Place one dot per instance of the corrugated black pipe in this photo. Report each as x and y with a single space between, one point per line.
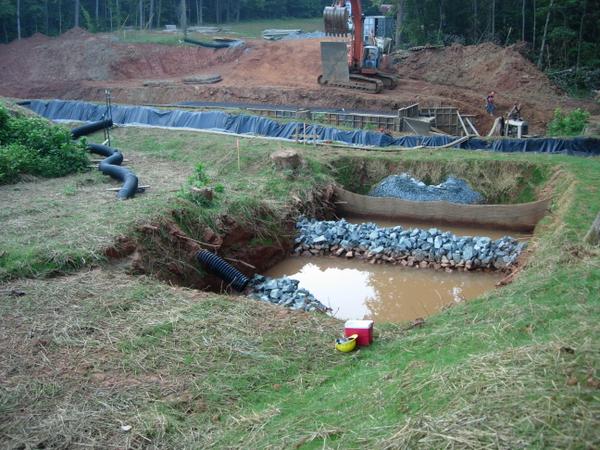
90 128
111 166
223 269
208 44
102 150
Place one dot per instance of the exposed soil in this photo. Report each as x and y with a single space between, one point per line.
80 65
482 68
165 250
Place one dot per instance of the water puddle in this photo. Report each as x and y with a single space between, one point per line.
385 293
458 230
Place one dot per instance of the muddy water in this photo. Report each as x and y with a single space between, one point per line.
355 289
458 230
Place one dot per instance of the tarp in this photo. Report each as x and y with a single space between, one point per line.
263 126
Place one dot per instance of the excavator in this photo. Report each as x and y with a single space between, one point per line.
361 66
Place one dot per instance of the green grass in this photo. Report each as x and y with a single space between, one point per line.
248 30
254 28
71 221
94 350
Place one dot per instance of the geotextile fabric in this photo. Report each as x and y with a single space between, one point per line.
263 126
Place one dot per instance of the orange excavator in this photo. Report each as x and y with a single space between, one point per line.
360 67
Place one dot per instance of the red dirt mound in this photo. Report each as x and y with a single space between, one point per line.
78 55
483 68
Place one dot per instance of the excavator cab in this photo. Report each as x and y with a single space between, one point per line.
371 57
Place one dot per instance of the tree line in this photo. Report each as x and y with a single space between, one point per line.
560 34
22 18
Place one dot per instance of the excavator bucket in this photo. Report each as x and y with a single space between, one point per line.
334 62
336 21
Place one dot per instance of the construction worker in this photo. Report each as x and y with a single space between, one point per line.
490 106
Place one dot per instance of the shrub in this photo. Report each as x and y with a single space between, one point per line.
571 124
4 119
35 147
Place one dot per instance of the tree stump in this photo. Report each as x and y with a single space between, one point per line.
205 192
286 159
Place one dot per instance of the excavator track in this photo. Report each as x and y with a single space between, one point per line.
357 82
389 81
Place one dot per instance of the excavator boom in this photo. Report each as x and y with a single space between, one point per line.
336 24
355 74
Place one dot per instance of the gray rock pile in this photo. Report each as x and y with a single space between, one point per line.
409 247
403 186
285 292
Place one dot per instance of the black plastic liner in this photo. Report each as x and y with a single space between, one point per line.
223 270
262 126
91 128
112 166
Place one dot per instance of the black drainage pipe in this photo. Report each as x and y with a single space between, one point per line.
223 270
210 44
90 128
111 166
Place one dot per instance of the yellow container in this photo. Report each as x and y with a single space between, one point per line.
346 344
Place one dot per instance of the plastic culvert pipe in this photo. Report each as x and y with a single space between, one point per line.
222 269
90 128
111 166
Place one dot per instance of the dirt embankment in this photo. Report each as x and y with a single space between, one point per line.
80 65
163 249
481 68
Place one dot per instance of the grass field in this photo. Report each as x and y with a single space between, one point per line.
246 30
96 350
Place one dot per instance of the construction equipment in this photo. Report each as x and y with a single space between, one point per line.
360 67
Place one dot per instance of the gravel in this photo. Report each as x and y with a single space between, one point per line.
308 35
284 292
403 186
409 247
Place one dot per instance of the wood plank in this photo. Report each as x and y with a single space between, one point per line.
472 126
463 124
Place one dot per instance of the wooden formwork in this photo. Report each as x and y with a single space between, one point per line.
353 120
446 118
275 113
409 111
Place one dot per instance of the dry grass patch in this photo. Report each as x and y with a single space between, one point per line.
97 350
53 224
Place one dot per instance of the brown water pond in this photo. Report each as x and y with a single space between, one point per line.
355 289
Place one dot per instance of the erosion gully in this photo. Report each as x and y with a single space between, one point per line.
356 289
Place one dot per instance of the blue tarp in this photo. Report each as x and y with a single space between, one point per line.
262 126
